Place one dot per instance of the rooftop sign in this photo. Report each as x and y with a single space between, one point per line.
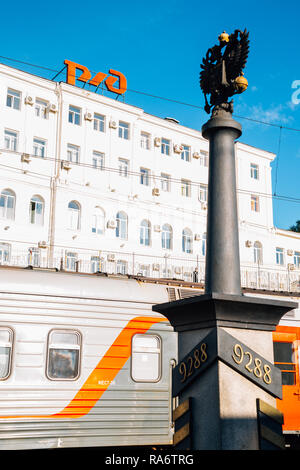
86 77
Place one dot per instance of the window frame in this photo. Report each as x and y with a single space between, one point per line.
186 187
123 166
145 140
144 176
64 330
11 343
124 130
165 146
37 145
160 358
72 150
14 139
186 153
99 122
14 98
41 108
8 193
36 199
279 254
74 115
254 171
255 206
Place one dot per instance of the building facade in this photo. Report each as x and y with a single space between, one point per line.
91 184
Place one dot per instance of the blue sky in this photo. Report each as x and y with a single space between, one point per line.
159 46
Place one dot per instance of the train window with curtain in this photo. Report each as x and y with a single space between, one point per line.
6 344
284 360
63 360
146 358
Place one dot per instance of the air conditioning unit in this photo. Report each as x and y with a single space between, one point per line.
155 192
157 141
25 157
157 228
42 244
196 155
65 165
178 148
291 267
204 206
177 270
29 100
113 125
88 116
248 243
155 267
52 108
197 236
290 252
111 224
111 257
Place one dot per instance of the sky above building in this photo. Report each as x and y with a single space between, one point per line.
159 46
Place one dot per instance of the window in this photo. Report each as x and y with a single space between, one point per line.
4 253
123 167
98 221
203 158
186 153
33 256
297 259
74 215
145 140
7 204
123 130
40 108
165 182
255 203
71 261
279 256
167 237
187 241
98 160
99 122
144 176
13 99
284 359
6 345
121 267
36 210
145 233
185 188
144 270
146 358
203 245
63 355
74 115
122 222
73 152
202 193
39 147
254 171
11 140
165 146
257 252
95 264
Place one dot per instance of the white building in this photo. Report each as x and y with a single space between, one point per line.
89 183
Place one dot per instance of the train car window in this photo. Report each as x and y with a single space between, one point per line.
63 355
6 344
283 359
146 358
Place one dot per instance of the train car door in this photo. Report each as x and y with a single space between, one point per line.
286 354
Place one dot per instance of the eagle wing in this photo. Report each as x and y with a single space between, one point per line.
236 54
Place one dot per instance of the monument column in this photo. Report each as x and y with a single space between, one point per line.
225 362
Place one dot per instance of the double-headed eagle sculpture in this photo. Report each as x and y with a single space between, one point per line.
221 75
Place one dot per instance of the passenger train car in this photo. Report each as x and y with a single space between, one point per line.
85 362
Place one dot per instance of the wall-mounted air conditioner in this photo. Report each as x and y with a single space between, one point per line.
178 148
113 124
111 257
42 244
248 243
52 108
196 155
111 224
25 157
157 228
291 267
65 165
197 236
155 267
290 252
177 270
155 192
29 100
157 141
88 116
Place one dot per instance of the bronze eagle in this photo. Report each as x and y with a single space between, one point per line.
221 74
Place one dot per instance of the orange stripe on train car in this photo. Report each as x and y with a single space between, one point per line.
104 372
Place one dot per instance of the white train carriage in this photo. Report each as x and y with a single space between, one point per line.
83 361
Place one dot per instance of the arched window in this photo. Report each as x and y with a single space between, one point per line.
145 233
98 221
74 215
7 204
36 210
203 246
167 237
187 241
257 252
122 225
